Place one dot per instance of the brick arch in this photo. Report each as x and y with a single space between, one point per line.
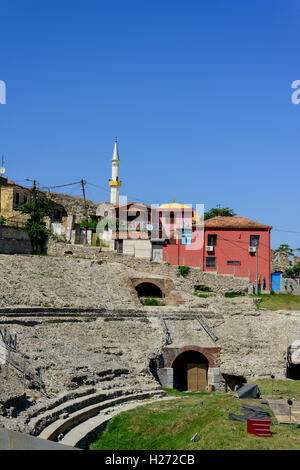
165 285
170 354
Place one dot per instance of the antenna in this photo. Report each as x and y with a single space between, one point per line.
2 169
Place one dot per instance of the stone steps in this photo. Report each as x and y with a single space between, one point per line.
81 414
70 402
85 433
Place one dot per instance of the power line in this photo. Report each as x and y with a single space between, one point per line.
288 231
134 198
60 186
108 190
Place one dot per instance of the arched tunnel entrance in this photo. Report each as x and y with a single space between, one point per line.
190 371
148 289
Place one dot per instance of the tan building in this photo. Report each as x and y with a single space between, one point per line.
12 196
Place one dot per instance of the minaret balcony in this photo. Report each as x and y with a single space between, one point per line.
115 183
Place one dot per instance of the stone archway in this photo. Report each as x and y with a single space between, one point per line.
173 364
170 354
190 371
148 289
156 287
164 285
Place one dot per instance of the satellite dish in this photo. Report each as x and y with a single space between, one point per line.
149 227
2 170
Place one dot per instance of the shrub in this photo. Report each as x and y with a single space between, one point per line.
203 288
183 270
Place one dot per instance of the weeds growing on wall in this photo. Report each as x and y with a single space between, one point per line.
183 270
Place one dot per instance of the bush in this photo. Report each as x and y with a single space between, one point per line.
272 292
183 270
2 221
202 288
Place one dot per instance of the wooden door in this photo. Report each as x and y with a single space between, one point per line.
196 377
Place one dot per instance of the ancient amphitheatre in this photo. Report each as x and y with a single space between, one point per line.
78 318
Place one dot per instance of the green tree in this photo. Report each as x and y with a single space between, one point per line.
293 272
92 224
219 211
38 208
2 220
285 248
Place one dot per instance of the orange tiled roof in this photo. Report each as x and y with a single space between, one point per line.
234 222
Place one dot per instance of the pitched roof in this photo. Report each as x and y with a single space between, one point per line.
138 204
234 222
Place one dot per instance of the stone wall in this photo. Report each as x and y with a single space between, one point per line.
14 241
281 261
75 206
296 260
221 283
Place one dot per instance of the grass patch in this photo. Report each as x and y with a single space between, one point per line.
234 294
169 425
281 388
278 301
152 301
203 296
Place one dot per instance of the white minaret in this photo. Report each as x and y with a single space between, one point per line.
114 183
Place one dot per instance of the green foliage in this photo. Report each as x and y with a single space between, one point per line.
152 301
92 224
170 424
203 296
38 208
183 270
279 301
2 221
293 272
285 248
233 294
219 211
203 288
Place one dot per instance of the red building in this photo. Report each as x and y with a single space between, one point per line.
174 233
230 246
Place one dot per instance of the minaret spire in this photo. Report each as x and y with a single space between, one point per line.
114 183
116 151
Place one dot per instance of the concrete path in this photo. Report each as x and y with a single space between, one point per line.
281 411
83 434
12 440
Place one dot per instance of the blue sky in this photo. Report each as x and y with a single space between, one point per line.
198 93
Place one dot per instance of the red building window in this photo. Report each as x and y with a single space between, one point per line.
211 262
254 240
212 240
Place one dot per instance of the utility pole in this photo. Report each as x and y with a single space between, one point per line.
85 210
34 191
256 254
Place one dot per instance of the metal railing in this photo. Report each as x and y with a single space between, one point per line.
20 362
206 327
